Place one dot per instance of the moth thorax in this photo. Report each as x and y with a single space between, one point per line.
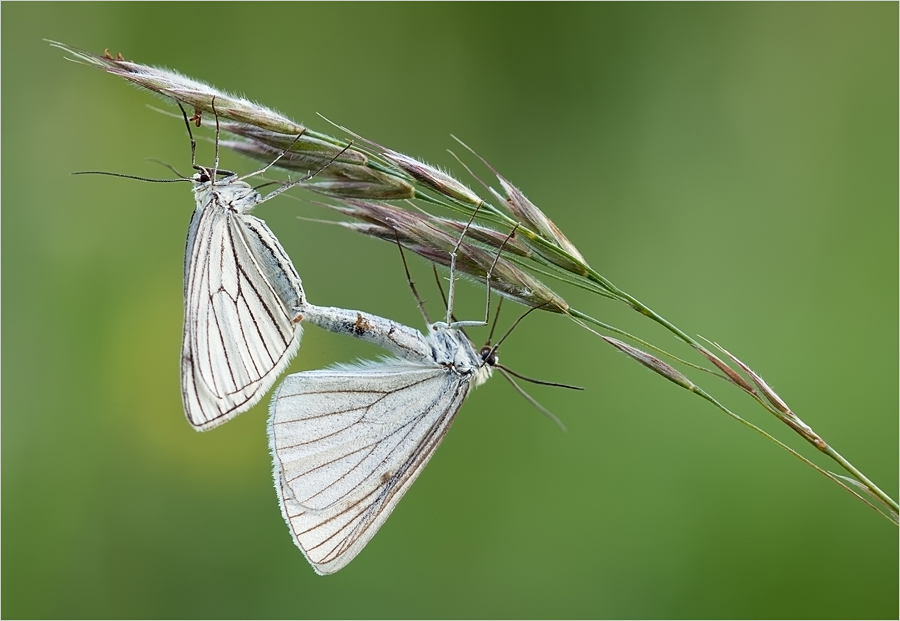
481 375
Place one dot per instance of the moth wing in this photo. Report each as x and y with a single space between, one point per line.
348 442
239 296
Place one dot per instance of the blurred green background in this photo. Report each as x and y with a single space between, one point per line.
732 165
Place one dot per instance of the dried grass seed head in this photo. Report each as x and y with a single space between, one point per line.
528 214
334 178
651 362
189 91
434 178
306 144
492 238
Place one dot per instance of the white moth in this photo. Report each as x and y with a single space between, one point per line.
240 291
347 442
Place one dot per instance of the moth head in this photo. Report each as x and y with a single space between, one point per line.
489 356
205 175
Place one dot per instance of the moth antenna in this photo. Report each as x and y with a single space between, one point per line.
535 381
112 174
532 400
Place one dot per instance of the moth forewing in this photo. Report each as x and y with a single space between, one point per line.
348 442
240 294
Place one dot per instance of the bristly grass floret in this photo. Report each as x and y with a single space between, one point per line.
370 183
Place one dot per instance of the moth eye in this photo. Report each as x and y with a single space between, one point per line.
488 355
